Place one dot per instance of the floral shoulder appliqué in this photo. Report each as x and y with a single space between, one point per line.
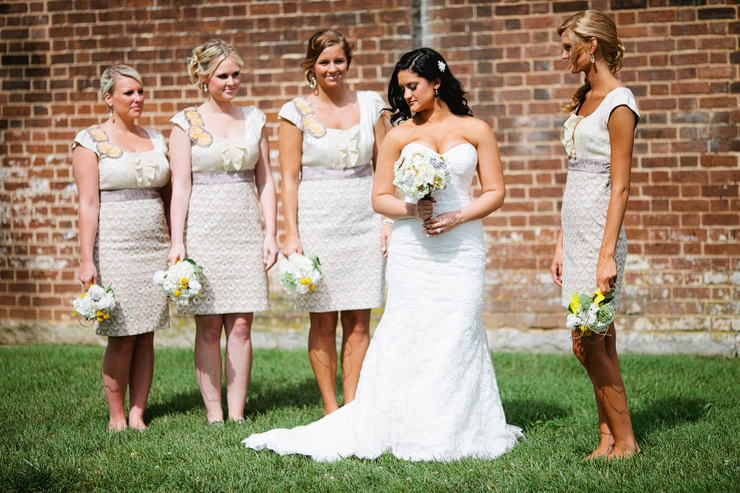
308 118
103 144
196 131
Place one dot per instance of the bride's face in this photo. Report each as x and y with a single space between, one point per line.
417 91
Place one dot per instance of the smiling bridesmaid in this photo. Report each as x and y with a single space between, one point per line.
220 166
328 145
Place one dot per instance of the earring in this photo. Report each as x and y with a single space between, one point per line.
205 87
436 93
110 111
312 82
592 59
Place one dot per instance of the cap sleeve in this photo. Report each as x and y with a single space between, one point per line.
84 139
254 119
180 120
621 97
290 113
375 104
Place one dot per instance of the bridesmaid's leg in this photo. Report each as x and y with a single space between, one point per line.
322 352
238 361
140 379
208 363
116 365
355 340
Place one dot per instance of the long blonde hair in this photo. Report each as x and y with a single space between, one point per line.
586 25
206 58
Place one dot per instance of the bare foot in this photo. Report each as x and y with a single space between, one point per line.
620 453
137 424
116 426
606 444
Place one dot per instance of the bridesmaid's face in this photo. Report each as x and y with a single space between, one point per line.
417 91
331 67
578 57
127 99
223 85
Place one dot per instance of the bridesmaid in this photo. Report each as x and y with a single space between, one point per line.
220 165
119 168
592 246
328 145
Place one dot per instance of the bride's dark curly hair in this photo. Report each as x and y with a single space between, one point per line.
425 62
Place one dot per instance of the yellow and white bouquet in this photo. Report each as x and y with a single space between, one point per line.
95 304
421 174
590 313
181 282
300 274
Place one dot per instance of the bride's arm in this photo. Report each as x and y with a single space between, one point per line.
384 197
491 176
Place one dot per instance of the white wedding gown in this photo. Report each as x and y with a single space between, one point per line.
427 388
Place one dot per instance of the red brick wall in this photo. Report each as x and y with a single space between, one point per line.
682 58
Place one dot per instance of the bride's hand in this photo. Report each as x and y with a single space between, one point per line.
425 208
441 224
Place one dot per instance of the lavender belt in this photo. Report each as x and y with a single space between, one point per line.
309 173
219 177
597 166
127 194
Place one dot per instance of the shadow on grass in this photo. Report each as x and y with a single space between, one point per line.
667 413
526 413
261 399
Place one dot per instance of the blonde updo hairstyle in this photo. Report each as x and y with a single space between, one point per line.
206 58
319 41
587 25
112 74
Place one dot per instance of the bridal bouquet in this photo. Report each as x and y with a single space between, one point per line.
300 274
590 313
95 304
421 174
181 282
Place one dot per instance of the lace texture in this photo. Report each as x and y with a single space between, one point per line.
427 389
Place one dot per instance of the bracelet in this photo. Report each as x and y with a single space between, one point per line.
387 221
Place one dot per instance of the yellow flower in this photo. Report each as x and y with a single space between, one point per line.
74 314
115 152
574 304
311 287
100 319
599 297
98 313
195 132
184 280
305 281
176 293
83 294
106 316
204 140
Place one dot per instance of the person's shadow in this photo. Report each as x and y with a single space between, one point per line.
667 413
527 413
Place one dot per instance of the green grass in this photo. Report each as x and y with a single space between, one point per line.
53 431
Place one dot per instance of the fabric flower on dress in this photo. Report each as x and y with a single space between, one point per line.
144 171
569 134
310 123
344 151
233 156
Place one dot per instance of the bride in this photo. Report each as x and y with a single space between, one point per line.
427 388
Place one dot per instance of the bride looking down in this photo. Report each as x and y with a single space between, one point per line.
427 388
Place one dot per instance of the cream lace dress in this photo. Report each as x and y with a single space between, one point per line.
132 239
587 195
335 218
223 231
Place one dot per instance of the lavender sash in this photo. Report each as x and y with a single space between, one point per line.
219 177
309 173
127 194
596 166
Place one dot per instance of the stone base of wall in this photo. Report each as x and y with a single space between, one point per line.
182 335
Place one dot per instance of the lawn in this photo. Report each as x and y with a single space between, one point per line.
53 431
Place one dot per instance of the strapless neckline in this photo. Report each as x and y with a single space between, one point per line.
443 153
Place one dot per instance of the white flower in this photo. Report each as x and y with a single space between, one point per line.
180 282
159 277
96 304
420 174
300 274
441 66
572 321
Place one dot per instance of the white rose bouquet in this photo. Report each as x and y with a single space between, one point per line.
95 304
300 274
590 313
181 282
421 174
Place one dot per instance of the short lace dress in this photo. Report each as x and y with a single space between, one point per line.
587 195
132 239
335 217
223 231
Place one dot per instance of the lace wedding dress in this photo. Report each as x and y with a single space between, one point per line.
427 389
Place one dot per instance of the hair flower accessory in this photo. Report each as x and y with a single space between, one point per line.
441 66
